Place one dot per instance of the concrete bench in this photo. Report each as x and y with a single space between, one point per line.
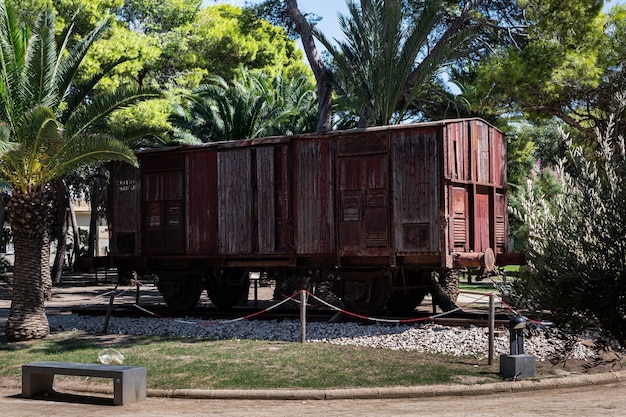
129 382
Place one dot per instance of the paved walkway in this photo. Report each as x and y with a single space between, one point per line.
587 400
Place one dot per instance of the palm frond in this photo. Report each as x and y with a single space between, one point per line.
68 68
94 111
134 133
76 93
38 129
382 49
6 144
90 149
38 80
13 41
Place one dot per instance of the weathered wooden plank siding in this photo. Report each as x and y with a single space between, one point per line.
266 214
235 199
201 207
125 201
416 180
164 196
313 190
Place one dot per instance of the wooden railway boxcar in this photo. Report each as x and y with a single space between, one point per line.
372 211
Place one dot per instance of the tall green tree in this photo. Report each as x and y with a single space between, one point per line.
49 126
460 30
385 63
569 66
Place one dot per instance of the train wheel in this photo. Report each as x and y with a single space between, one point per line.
182 294
366 297
229 289
405 303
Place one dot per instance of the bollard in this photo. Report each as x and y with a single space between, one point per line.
492 325
303 301
517 364
516 335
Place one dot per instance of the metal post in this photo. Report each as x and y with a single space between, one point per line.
108 315
303 298
256 292
492 322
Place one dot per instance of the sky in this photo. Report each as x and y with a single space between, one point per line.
328 10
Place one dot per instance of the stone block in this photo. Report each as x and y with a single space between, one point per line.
517 366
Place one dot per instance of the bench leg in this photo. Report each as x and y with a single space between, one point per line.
130 388
35 384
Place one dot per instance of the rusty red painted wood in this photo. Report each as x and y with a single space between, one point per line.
411 195
125 217
313 196
201 202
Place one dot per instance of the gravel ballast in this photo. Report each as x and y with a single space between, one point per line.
428 338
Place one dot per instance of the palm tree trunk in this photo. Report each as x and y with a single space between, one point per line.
30 216
27 317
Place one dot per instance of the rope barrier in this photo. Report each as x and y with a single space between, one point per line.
294 298
6 290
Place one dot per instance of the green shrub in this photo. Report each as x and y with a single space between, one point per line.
577 240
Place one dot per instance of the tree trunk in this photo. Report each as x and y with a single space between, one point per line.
2 216
93 220
443 292
74 223
96 194
322 74
60 232
30 216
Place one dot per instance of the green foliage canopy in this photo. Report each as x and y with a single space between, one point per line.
569 66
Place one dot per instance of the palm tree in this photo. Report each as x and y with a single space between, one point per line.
249 107
386 60
48 127
297 100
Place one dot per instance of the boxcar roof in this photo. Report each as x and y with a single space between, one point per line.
272 140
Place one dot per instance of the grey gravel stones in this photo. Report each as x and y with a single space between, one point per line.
429 338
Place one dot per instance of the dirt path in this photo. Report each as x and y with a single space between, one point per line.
605 400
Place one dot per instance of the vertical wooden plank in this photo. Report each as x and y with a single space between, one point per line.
482 226
234 201
164 186
266 199
314 211
456 143
482 152
201 207
498 158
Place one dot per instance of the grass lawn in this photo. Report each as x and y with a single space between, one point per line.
248 364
